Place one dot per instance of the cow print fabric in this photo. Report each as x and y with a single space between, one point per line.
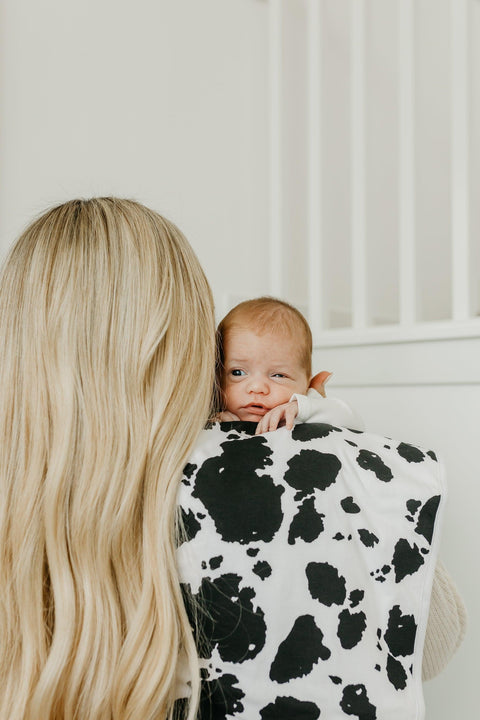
307 561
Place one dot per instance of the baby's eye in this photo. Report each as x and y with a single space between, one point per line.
280 375
237 372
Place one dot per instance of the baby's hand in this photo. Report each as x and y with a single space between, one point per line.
226 416
319 381
281 415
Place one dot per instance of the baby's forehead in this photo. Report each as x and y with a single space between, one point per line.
277 336
279 342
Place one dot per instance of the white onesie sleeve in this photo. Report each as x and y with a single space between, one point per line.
315 408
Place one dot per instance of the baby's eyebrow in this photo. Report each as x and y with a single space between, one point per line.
234 362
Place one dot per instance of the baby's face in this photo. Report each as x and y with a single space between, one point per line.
261 372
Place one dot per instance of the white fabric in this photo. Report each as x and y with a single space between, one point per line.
370 506
315 408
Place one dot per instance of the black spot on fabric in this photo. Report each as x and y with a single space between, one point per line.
371 461
409 518
396 673
431 454
289 708
325 584
350 442
335 679
387 447
413 505
406 559
232 436
201 516
238 426
426 518
339 536
356 597
311 431
424 551
253 551
410 453
262 569
189 469
351 627
311 470
220 698
190 525
355 702
299 652
357 432
377 667
204 564
230 481
307 523
229 621
215 562
368 538
349 506
400 633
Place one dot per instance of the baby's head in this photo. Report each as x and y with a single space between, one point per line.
264 356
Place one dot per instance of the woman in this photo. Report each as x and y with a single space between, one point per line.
107 337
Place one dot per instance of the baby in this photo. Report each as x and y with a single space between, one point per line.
264 369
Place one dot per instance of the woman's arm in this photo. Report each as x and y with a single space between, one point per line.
446 626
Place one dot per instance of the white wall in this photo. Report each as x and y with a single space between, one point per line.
166 101
160 100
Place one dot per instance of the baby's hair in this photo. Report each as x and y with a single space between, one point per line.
265 315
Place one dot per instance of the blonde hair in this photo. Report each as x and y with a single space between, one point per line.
107 342
264 315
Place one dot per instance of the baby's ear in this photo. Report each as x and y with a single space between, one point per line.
319 381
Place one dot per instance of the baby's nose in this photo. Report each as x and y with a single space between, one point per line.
259 385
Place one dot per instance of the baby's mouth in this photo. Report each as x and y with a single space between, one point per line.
256 409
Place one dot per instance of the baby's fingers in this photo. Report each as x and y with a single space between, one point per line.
291 412
270 421
264 423
287 412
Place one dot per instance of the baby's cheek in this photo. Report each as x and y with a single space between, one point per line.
284 395
230 393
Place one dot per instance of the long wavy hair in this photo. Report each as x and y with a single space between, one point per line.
106 371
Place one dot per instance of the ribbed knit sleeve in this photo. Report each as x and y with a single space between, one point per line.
446 626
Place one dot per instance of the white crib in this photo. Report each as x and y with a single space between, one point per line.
434 283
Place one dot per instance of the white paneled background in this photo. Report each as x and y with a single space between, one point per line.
327 151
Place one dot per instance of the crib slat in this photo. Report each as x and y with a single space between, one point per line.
358 138
460 165
406 163
275 161
314 168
